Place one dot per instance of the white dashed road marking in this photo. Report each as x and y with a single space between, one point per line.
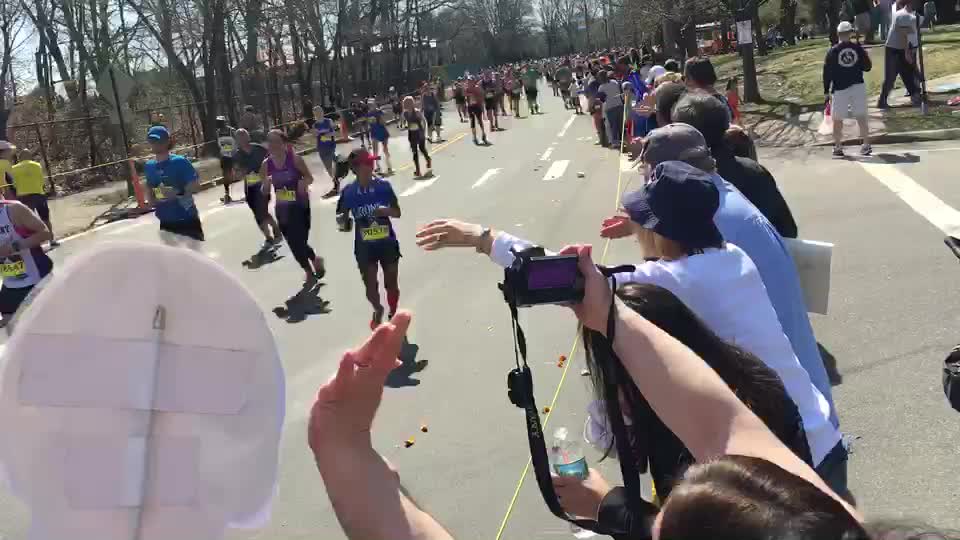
566 126
419 186
546 155
556 170
486 176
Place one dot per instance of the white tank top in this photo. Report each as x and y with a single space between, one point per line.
20 269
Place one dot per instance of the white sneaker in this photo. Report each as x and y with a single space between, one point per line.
866 150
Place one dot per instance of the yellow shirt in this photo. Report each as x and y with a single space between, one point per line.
4 170
28 178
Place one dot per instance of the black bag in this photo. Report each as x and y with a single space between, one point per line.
951 378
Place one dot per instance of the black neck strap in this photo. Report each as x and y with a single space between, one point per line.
520 392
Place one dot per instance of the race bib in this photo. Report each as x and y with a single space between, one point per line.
253 178
13 267
489 94
286 195
158 193
414 126
327 137
377 232
227 148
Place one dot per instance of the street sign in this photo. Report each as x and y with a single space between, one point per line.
124 85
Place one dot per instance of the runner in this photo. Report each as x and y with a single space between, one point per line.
490 100
431 111
397 109
530 78
23 263
326 134
564 78
516 90
460 99
500 93
290 178
227 144
171 182
475 109
415 127
247 160
381 137
372 202
28 182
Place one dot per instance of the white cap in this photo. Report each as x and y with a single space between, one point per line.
655 72
844 27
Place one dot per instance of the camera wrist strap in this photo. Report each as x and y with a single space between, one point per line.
520 392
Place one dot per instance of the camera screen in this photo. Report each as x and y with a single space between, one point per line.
552 273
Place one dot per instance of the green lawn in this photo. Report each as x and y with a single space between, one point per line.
794 74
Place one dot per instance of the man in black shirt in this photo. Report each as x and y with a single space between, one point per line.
711 117
843 75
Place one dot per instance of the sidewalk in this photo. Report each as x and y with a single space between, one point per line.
778 127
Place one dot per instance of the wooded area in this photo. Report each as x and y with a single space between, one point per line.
196 59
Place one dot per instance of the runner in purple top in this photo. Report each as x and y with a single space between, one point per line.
290 178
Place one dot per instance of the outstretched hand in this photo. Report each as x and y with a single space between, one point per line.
444 233
348 402
616 227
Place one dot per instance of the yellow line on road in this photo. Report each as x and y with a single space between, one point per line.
436 149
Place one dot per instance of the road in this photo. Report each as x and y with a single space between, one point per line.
893 306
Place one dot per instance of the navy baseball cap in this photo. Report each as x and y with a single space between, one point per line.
158 133
678 203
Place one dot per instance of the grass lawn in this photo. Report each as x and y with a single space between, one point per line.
794 74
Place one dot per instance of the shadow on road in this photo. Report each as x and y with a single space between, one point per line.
303 304
899 158
830 364
401 376
262 258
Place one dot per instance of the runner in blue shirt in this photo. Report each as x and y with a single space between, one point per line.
372 202
327 149
171 182
380 137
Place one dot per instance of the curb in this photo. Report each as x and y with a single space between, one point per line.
902 137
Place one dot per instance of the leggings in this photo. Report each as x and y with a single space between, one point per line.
296 231
419 142
476 115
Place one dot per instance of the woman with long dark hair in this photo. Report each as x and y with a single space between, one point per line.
655 446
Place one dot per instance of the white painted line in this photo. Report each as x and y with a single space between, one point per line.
566 126
135 225
486 176
213 211
419 186
546 155
934 210
556 170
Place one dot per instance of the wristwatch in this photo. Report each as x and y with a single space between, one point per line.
484 233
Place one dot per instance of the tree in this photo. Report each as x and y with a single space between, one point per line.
13 34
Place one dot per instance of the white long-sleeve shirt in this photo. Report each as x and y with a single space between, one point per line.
724 289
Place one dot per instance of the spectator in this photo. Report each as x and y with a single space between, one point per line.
612 108
882 20
700 75
711 117
251 121
672 217
861 18
740 142
733 99
898 59
656 448
930 13
6 163
653 73
742 224
671 65
843 84
28 180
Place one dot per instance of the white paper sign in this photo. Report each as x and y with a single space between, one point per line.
813 261
744 33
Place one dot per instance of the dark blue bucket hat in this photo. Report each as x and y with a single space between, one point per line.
678 203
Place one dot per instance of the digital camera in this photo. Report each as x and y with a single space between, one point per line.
536 278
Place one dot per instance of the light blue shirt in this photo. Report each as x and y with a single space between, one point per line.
742 224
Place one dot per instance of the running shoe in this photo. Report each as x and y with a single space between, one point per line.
866 150
332 193
838 151
376 318
320 267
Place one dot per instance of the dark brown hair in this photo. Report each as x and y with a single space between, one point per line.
748 498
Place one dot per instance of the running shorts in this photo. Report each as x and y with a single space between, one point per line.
258 201
226 165
189 228
11 298
460 100
430 115
382 253
38 203
476 115
490 103
850 102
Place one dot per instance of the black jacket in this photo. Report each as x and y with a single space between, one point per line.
759 187
844 65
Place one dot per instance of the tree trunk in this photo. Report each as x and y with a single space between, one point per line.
688 39
833 18
788 20
758 36
208 111
671 38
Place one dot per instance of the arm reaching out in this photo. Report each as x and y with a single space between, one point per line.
363 489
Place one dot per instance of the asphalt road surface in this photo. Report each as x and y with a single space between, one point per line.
894 307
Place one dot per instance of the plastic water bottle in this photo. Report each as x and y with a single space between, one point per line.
566 456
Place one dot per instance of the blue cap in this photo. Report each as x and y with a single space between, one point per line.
678 203
158 133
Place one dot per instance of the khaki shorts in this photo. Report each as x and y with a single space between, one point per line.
850 102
